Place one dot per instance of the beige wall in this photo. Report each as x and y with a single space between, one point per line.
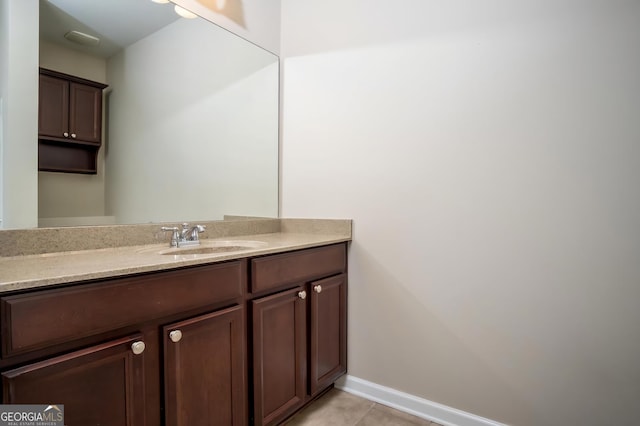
489 155
63 195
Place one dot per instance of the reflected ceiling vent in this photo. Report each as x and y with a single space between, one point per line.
82 38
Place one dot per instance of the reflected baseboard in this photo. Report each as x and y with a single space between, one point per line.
49 222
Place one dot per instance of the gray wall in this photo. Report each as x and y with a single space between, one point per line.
18 114
198 146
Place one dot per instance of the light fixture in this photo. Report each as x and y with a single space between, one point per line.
82 38
184 12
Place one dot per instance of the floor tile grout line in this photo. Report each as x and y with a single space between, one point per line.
373 404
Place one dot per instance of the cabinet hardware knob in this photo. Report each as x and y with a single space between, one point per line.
302 294
138 347
175 336
317 288
66 134
73 135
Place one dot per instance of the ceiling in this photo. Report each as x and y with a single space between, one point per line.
117 23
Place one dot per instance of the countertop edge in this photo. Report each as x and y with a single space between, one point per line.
145 266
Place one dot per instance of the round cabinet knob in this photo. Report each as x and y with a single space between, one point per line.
73 135
317 288
175 336
302 294
66 135
138 347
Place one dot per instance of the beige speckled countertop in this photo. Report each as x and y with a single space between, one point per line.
26 271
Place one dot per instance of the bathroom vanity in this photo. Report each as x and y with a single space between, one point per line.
245 337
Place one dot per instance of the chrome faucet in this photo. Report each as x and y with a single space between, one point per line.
187 236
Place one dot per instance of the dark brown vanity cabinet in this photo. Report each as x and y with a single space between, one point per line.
279 355
99 385
247 341
165 348
299 335
204 370
69 122
328 332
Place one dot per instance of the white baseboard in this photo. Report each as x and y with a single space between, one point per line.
408 403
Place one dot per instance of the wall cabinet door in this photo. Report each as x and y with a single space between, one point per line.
279 355
205 364
85 113
53 107
69 111
328 332
101 385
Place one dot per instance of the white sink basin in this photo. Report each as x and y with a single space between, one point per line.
214 247
206 248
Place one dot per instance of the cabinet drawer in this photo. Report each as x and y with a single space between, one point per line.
278 270
45 318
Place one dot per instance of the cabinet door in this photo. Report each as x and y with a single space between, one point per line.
85 113
205 367
279 355
101 385
53 107
328 328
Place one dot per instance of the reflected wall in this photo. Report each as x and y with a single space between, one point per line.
197 147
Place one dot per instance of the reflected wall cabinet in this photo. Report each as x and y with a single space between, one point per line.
69 123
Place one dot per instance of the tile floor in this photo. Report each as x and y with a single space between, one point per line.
339 408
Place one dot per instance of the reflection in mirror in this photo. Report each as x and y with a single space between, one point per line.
190 126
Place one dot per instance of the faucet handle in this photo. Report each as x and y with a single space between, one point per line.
175 235
195 230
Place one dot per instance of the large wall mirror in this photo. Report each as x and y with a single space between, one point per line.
191 117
